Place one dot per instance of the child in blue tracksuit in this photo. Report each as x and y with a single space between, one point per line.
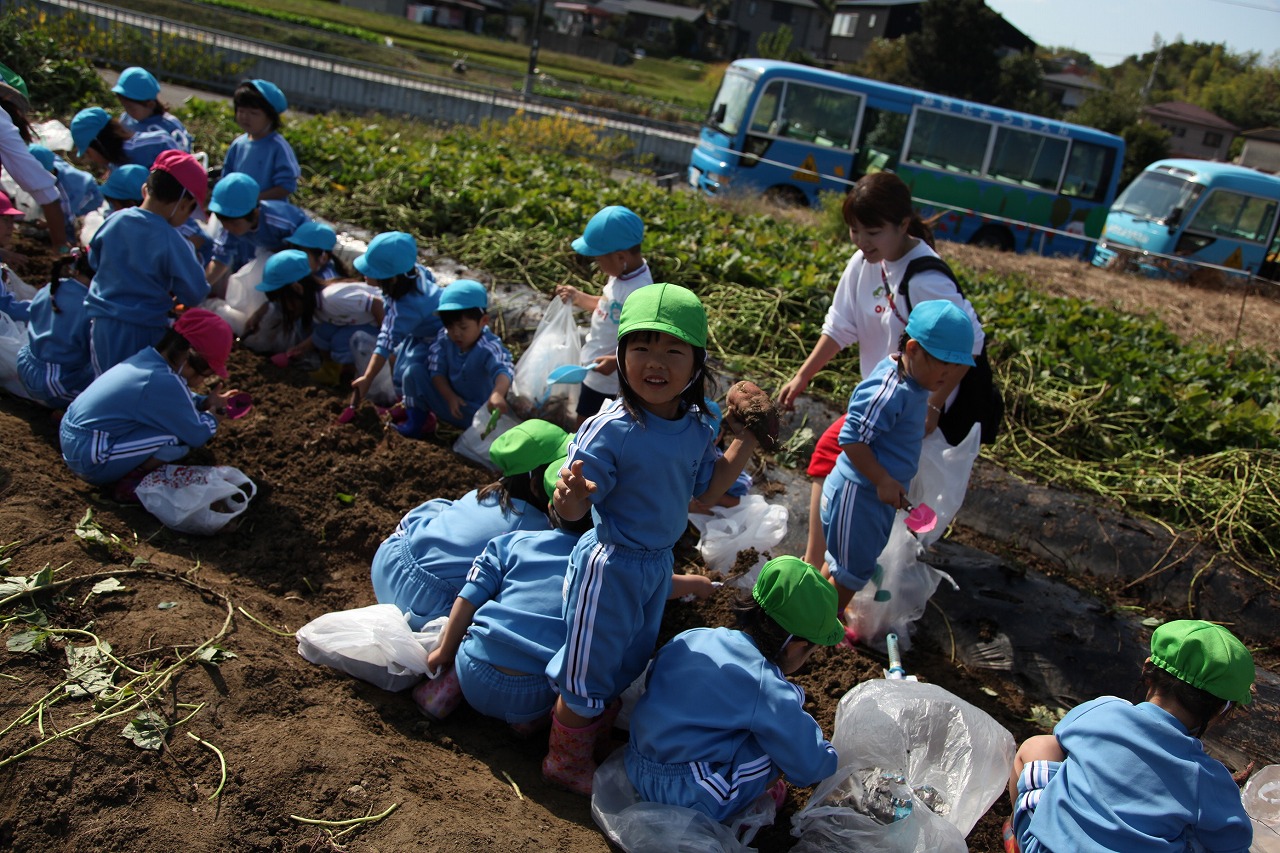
318 241
736 492
79 192
54 366
412 322
467 366
261 152
142 264
1117 776
715 749
635 466
105 142
141 414
139 95
123 187
421 567
248 225
881 442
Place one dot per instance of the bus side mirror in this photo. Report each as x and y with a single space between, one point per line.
717 117
1174 217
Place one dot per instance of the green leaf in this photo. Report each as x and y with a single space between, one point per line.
30 640
166 605
147 730
103 587
1152 622
215 655
89 670
12 586
90 531
345 498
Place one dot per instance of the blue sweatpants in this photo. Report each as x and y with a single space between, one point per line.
856 524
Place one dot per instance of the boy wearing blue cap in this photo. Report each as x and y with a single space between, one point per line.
612 239
467 364
123 187
139 95
1117 776
881 439
261 152
247 226
105 142
78 192
318 241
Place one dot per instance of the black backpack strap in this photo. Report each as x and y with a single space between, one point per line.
926 263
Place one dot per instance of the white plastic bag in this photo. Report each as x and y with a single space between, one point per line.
753 523
243 296
900 588
474 445
13 337
953 761
200 499
1261 799
371 643
382 391
641 827
556 342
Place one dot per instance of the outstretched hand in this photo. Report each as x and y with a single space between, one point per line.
573 492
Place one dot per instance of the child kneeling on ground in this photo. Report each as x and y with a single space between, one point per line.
1116 776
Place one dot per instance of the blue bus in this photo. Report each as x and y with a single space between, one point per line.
987 174
1178 211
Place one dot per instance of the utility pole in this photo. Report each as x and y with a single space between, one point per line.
1155 66
533 48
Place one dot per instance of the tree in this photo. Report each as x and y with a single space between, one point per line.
777 45
1022 86
954 53
1144 143
884 60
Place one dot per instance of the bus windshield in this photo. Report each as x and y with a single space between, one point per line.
729 109
1156 195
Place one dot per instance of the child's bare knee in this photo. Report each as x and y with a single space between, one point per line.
1040 748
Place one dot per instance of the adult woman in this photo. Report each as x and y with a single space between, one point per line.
15 135
868 310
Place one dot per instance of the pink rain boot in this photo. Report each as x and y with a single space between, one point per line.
778 790
437 698
568 763
532 727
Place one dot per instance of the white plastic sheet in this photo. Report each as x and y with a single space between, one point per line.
474 444
371 643
13 337
753 523
382 391
200 499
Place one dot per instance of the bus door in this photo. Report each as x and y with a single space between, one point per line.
800 140
1229 228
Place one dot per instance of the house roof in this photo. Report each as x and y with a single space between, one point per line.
1068 80
651 9
1263 134
1186 113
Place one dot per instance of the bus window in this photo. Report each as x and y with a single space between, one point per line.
950 142
1231 214
1156 196
807 114
732 99
766 118
1028 159
1089 171
882 137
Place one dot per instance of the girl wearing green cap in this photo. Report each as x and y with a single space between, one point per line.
1116 776
635 466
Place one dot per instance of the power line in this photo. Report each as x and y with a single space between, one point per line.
1244 5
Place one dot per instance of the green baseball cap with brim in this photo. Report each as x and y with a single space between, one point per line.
1206 656
14 89
666 308
800 599
526 446
552 476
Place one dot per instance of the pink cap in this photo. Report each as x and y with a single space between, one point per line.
209 335
7 208
186 170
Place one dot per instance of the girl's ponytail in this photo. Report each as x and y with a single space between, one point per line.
78 260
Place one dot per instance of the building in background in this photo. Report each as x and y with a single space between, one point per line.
1195 133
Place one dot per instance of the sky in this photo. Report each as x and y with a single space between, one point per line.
1110 30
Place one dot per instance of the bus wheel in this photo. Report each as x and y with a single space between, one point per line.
784 195
993 237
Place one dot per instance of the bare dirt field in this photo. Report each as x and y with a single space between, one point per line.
302 740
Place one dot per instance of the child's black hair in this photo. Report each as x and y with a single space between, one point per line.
19 119
339 267
298 307
518 487
400 286
174 347
164 187
1201 704
448 318
694 395
248 96
753 620
79 260
157 108
110 142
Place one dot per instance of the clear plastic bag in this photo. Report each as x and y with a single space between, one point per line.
899 591
641 827
556 342
13 337
382 391
474 444
243 297
939 760
1261 799
372 643
200 499
753 523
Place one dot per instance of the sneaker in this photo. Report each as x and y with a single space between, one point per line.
125 490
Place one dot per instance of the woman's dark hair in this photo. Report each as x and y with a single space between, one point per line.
298 307
164 187
753 620
1201 704
882 198
110 142
157 108
402 285
694 395
248 96
19 119
77 260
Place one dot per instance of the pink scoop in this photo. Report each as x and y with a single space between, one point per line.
280 359
239 405
921 519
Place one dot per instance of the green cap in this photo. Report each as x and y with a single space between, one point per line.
552 476
800 599
526 446
14 88
1206 656
666 308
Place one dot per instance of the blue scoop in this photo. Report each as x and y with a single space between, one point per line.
570 374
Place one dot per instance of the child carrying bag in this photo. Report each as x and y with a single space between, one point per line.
199 499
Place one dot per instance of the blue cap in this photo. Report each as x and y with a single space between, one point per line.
390 254
86 126
43 154
235 195
272 93
943 330
283 269
611 230
463 294
137 84
313 235
125 182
